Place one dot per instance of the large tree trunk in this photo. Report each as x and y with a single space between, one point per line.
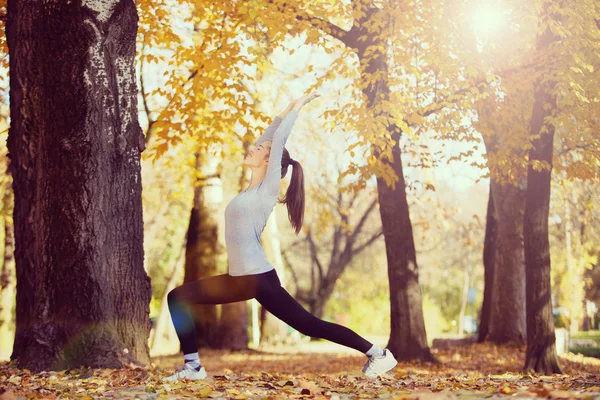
541 349
408 339
489 261
75 144
507 318
202 248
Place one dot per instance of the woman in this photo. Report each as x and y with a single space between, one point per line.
250 274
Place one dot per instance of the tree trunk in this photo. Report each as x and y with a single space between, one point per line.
317 306
233 322
326 288
489 261
541 348
408 339
75 145
233 326
507 318
201 256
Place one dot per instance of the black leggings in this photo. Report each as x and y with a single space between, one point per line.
267 289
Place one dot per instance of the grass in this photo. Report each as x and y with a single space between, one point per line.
594 335
587 351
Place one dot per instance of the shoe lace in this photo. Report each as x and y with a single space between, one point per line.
372 360
180 371
370 363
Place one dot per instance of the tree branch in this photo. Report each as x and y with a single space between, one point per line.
292 270
366 244
567 149
362 221
439 105
318 23
313 251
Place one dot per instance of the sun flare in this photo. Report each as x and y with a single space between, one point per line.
488 20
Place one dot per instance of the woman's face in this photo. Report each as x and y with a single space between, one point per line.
258 156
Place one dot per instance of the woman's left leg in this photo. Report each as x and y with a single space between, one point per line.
281 304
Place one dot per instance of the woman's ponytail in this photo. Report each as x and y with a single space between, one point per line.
294 196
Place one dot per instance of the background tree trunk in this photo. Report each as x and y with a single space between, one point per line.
489 262
541 340
408 339
272 329
232 329
201 255
75 144
233 326
507 317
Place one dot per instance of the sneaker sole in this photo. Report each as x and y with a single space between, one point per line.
385 371
199 378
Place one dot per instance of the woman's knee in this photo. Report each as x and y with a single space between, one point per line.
173 296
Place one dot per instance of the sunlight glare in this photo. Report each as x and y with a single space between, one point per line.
488 20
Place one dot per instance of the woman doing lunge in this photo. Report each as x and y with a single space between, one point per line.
250 274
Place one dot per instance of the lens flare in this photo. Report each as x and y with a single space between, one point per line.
488 20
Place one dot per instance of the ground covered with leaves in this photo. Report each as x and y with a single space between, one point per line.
475 371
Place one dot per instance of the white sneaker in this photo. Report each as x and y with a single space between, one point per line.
186 374
376 366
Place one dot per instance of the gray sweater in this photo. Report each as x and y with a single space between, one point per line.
247 213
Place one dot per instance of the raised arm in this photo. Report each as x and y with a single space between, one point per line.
270 131
273 175
267 136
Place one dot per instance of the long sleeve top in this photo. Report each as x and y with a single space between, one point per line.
247 213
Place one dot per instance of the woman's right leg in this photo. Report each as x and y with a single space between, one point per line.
220 289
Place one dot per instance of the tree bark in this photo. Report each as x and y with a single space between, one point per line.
75 144
489 261
233 326
541 348
507 317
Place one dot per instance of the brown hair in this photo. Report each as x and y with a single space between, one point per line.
294 196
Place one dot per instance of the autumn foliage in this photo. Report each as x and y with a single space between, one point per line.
478 371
